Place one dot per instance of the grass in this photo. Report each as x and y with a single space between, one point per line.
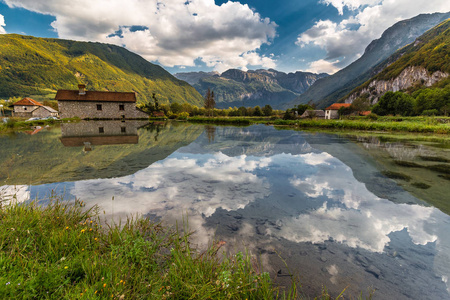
61 251
14 124
435 125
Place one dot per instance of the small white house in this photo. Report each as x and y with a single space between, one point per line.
28 108
331 112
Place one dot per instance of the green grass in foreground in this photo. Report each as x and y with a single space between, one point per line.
61 252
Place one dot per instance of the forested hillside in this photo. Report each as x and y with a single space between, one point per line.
37 66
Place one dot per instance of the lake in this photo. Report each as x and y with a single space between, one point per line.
367 211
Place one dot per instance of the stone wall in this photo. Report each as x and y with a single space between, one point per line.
89 110
41 112
24 111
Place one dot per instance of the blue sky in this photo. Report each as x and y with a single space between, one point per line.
207 35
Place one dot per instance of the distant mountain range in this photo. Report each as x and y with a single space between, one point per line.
239 88
421 64
38 67
332 88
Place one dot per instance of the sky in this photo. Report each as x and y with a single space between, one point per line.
206 35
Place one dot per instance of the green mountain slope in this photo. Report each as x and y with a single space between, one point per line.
430 52
38 66
238 88
328 90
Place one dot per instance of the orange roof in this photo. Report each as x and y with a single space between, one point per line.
27 102
336 106
364 113
69 95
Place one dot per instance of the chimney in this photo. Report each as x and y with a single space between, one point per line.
82 89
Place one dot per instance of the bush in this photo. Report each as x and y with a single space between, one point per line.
183 116
372 116
430 112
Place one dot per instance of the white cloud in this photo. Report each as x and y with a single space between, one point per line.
347 39
173 32
14 193
2 24
323 66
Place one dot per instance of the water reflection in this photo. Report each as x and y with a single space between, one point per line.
89 133
316 198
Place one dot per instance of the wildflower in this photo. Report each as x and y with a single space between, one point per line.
66 267
83 230
121 281
81 294
67 227
95 239
104 285
82 249
8 283
95 292
90 229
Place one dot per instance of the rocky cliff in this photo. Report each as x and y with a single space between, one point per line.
421 64
408 77
328 90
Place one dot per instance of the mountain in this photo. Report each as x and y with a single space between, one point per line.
328 90
239 88
194 77
420 64
40 66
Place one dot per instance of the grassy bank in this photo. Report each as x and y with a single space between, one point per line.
61 252
438 125
17 124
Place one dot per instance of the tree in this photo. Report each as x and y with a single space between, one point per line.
257 111
360 104
209 101
156 102
267 110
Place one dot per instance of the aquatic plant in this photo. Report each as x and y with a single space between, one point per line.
396 175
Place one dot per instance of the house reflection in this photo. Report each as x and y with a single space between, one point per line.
92 133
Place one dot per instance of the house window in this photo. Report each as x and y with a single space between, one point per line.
99 107
101 130
123 129
121 106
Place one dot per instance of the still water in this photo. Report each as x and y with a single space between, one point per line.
363 212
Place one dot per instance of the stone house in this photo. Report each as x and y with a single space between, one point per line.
28 108
98 105
313 114
331 112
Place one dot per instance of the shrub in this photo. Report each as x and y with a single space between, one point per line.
430 112
183 116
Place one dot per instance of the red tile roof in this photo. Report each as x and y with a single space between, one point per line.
364 113
27 102
69 95
336 106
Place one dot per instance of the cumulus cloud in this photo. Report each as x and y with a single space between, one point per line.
172 32
2 24
345 41
351 214
323 66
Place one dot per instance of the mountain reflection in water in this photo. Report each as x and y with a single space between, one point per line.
316 199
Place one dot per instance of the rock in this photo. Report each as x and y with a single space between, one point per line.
374 271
